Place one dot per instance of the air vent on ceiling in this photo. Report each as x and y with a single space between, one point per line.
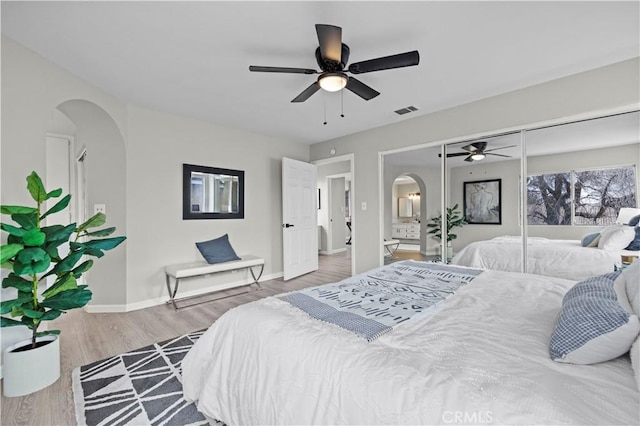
406 110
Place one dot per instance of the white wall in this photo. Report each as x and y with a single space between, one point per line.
601 89
159 144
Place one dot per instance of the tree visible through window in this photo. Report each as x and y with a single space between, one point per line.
597 197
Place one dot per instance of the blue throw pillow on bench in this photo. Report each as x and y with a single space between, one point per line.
218 250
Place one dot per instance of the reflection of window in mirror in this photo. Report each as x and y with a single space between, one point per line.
212 193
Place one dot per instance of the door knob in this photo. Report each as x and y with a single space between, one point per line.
287 225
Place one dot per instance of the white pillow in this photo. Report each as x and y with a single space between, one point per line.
616 237
631 277
635 360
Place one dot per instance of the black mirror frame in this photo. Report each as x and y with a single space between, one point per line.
186 192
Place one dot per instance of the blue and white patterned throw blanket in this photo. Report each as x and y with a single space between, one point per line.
371 304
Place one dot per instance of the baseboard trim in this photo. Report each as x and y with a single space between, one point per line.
107 309
330 252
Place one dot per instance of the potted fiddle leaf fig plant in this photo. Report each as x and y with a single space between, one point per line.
454 219
35 254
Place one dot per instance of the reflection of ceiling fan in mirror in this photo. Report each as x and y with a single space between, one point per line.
478 151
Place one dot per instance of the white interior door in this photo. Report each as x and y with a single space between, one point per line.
299 218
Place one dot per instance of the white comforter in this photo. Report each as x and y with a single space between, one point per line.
482 359
555 258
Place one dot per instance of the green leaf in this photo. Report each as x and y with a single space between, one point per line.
94 252
8 251
104 244
7 305
94 221
36 188
26 220
34 237
59 206
32 260
17 210
58 232
48 332
18 232
82 268
68 299
13 280
101 233
8 322
64 283
28 322
55 193
32 314
51 315
66 264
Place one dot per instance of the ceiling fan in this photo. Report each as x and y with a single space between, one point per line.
332 56
478 151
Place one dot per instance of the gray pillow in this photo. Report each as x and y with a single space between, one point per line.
635 244
218 250
634 220
590 240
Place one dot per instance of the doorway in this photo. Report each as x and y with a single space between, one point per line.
337 221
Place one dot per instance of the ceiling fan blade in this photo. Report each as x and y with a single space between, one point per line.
361 89
400 60
475 146
330 39
256 68
306 93
497 155
502 147
469 158
455 154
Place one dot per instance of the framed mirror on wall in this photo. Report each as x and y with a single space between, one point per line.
212 193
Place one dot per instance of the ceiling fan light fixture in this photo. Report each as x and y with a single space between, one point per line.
332 82
478 156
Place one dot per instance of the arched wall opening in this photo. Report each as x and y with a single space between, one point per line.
418 202
96 132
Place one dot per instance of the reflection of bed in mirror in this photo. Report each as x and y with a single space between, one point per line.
556 258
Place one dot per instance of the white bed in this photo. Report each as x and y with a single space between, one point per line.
482 357
556 258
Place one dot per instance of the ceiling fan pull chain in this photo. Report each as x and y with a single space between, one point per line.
324 102
342 103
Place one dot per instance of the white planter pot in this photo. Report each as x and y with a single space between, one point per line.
30 370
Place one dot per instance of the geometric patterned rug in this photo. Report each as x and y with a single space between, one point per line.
141 387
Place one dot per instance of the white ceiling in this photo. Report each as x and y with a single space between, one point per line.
192 58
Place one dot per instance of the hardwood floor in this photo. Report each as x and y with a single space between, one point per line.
86 338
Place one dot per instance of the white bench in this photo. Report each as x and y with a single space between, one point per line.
391 246
201 268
